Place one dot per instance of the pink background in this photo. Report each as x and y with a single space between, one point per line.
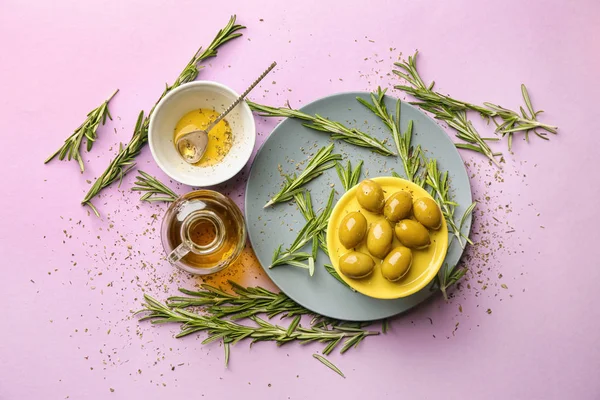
70 280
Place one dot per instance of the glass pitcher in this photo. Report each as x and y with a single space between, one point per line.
203 232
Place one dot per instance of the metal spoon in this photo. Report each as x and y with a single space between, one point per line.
192 145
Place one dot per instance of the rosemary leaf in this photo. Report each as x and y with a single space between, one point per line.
466 215
226 347
71 149
353 341
331 346
348 176
527 103
311 265
329 364
320 162
319 123
293 326
125 159
385 325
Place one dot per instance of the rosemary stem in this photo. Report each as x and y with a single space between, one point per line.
113 95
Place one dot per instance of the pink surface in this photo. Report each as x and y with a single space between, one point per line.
69 280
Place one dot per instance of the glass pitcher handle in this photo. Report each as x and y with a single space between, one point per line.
178 253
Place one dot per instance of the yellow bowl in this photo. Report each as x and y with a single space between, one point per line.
426 263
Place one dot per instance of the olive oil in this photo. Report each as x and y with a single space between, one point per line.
220 138
203 232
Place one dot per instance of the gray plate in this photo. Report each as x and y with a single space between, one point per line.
291 143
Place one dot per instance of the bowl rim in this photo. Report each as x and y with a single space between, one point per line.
199 84
332 230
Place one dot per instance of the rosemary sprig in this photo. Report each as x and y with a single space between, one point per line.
154 189
248 301
348 176
453 111
512 122
329 364
310 232
88 130
125 159
430 101
320 163
438 182
411 157
319 123
449 276
243 303
232 332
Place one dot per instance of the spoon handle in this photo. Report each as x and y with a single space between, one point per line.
239 99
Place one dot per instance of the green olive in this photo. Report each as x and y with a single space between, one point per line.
370 196
356 265
352 229
398 206
379 238
397 263
428 213
412 234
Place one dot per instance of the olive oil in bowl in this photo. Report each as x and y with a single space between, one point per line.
220 138
203 232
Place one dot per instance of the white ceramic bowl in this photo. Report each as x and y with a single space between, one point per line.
192 96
